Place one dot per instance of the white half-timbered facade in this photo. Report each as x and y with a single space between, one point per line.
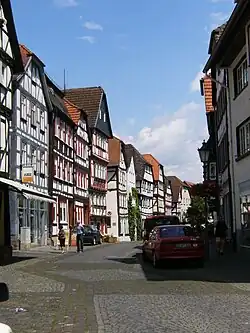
61 155
158 178
117 198
10 66
81 163
144 181
168 196
93 100
29 158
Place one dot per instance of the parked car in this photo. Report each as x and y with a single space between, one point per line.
173 242
91 235
153 221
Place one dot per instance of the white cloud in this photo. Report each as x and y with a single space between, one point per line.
89 39
174 140
65 3
195 84
90 25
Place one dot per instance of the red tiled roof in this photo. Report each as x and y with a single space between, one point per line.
114 146
25 54
155 165
87 99
73 111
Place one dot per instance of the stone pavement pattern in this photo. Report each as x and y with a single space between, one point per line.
108 289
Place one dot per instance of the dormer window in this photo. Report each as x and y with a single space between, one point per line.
100 114
104 117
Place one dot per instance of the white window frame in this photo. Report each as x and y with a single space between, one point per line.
241 76
244 138
23 104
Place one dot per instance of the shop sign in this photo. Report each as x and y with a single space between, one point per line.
27 174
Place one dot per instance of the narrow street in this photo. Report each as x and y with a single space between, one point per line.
108 289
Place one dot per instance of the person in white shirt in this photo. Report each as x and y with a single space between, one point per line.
79 237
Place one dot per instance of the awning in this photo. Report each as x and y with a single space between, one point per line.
26 191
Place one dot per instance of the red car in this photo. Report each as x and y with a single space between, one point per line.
173 242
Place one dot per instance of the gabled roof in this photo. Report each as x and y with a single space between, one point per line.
56 96
115 147
27 53
176 186
155 165
72 110
8 14
189 184
139 161
128 154
88 99
215 36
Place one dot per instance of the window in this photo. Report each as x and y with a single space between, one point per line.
100 114
240 77
4 74
33 114
243 138
104 117
24 153
42 120
223 154
212 171
23 107
42 157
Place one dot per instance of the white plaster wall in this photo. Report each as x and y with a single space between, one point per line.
113 209
239 112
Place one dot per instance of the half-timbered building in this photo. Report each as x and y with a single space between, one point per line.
61 147
117 199
93 101
158 177
10 65
168 196
144 182
82 146
29 158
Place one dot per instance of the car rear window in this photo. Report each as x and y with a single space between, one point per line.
177 231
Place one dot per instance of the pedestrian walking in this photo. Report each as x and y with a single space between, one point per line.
79 237
220 234
61 238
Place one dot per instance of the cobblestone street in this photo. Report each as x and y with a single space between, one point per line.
108 289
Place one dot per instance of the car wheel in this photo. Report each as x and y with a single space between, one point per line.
156 261
94 241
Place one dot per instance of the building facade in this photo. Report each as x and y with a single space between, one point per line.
158 177
117 199
82 149
10 65
93 101
144 182
231 55
61 144
29 158
176 190
168 196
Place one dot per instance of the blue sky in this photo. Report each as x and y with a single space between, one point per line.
147 55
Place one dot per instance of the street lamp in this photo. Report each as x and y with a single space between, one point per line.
204 152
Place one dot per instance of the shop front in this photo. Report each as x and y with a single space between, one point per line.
5 243
27 214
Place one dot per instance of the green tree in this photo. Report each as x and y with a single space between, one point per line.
196 212
134 215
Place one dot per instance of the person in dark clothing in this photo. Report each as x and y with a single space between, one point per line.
220 234
61 237
79 237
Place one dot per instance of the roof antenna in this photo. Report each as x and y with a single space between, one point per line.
64 80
